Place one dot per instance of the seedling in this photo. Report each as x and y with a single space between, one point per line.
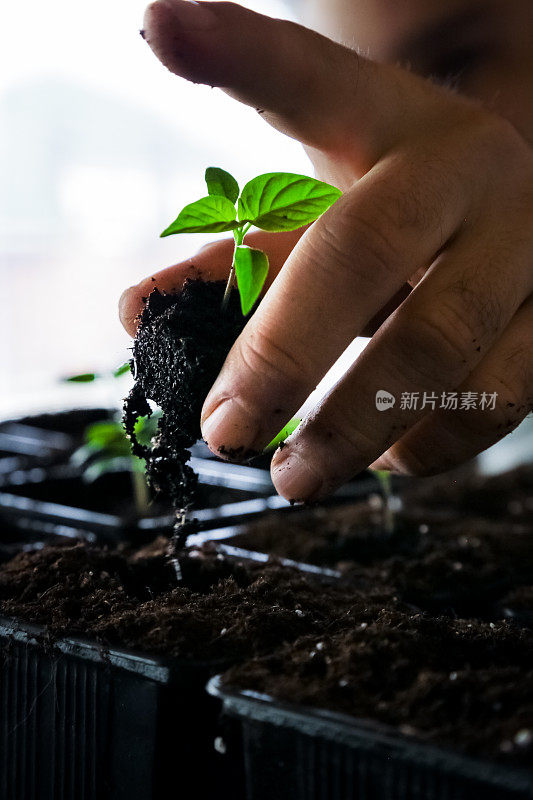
107 447
383 476
276 201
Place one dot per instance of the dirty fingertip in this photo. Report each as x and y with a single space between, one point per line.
229 430
294 477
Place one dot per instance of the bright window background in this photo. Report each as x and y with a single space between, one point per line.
100 147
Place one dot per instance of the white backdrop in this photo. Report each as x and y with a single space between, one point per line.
100 147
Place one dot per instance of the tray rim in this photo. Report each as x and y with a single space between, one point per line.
348 730
165 670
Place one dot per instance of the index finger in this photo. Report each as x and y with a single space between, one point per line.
302 83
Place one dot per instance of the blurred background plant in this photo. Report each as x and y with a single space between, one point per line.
107 448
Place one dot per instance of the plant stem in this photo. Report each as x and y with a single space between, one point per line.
229 287
238 235
383 475
140 492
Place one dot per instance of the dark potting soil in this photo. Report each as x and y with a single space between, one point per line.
458 683
520 599
222 609
180 346
465 683
509 494
12 541
459 565
464 568
328 535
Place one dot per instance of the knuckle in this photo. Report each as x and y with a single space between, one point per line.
372 246
293 41
477 309
447 333
267 359
307 75
377 248
437 346
416 201
332 425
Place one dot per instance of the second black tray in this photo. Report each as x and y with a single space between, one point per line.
300 753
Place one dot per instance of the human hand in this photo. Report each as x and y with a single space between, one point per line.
437 192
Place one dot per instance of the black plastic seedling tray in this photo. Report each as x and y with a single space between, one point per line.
22 447
29 500
79 722
70 422
299 753
56 500
10 462
46 438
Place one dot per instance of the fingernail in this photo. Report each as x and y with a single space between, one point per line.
230 430
192 16
293 477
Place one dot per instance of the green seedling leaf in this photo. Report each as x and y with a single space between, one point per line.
282 201
284 433
212 214
85 377
112 464
122 370
102 440
146 428
221 183
251 269
105 434
89 453
384 478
